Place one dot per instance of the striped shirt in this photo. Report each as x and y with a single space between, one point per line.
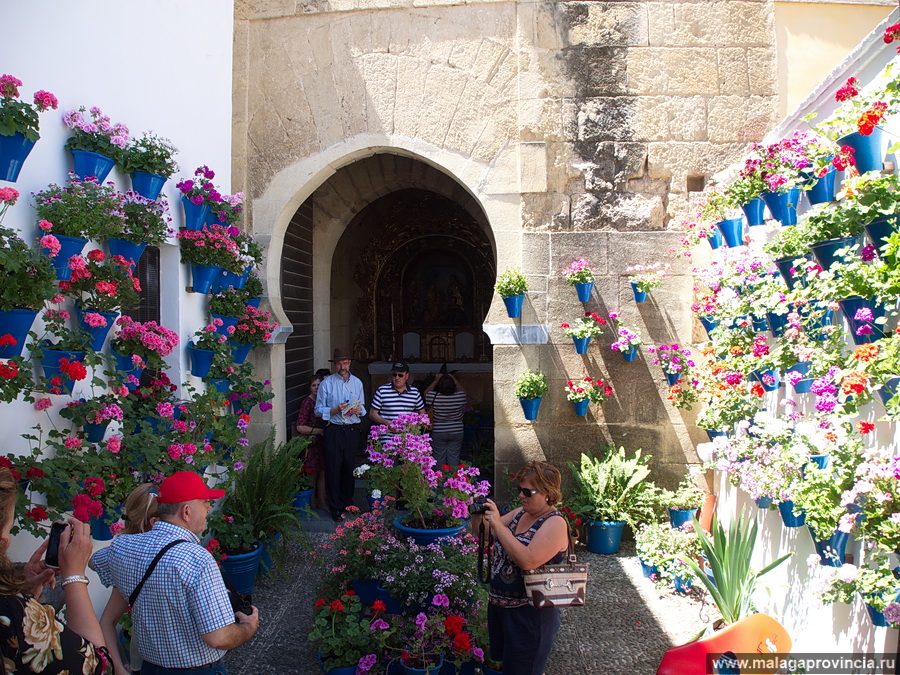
183 599
447 411
391 403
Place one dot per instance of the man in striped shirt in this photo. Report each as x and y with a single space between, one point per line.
396 397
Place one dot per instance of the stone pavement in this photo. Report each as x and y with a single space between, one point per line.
625 628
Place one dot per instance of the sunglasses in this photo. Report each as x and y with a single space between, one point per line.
397 374
527 492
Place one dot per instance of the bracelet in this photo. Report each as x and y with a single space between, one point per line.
75 579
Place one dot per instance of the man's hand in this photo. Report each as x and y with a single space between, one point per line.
235 634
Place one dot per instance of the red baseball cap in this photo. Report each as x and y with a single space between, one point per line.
183 486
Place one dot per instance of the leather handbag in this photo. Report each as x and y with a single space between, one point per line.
558 584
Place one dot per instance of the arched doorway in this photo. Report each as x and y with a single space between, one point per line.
411 277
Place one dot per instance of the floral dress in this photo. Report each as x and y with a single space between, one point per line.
315 459
33 640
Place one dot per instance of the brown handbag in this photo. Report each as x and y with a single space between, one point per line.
558 584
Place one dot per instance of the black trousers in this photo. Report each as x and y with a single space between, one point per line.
341 446
522 637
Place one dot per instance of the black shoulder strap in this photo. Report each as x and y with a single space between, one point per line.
137 589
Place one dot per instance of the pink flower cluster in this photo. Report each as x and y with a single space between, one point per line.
145 338
97 124
9 88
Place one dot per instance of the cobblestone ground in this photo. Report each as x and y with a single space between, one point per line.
625 628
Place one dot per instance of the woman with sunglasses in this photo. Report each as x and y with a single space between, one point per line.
521 635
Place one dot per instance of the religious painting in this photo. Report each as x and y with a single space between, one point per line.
437 290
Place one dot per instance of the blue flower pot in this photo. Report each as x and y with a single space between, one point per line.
880 229
194 215
815 325
888 390
241 569
425 537
265 558
13 153
785 265
212 218
126 249
227 322
98 334
822 189
604 536
866 150
789 516
648 570
94 433
802 367
678 517
69 246
826 252
467 668
125 365
228 280
708 324
777 323
581 407
831 550
15 322
682 585
639 296
240 351
821 460
92 164
783 205
584 291
850 306
392 605
630 354
771 386
366 589
220 385
50 364
201 360
581 344
530 407
203 277
804 386
754 210
100 527
714 238
407 670
732 231
672 378
715 433
764 502
514 305
254 302
760 323
240 408
147 185
303 499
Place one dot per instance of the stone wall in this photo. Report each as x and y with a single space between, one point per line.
578 127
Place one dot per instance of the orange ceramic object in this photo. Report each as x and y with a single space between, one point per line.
755 634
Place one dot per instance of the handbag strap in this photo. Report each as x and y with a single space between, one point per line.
137 589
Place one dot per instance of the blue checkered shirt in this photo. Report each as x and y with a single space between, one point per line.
183 599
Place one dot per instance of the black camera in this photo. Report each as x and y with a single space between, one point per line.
478 507
240 602
52 556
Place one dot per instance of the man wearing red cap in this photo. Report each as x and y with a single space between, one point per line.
181 613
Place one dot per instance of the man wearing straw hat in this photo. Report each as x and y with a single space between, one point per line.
340 403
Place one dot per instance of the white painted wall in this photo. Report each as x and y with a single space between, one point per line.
160 65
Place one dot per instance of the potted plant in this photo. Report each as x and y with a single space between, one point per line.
209 251
676 361
250 255
612 490
420 642
139 345
347 642
586 390
61 352
588 326
627 341
73 214
27 280
873 580
146 223
644 278
512 286
247 392
205 345
746 192
228 209
651 546
252 330
19 125
151 161
198 194
684 502
94 414
722 208
580 274
96 143
530 388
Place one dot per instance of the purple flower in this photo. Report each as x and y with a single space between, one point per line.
865 329
892 612
863 314
365 663
440 600
867 253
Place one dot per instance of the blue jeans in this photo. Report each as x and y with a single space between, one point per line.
215 669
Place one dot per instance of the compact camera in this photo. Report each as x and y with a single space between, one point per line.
240 602
478 506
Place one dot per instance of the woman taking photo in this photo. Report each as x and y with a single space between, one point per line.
521 635
446 400
32 639
311 425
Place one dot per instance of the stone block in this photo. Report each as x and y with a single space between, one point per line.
411 76
598 71
626 250
721 22
248 10
568 246
607 23
380 71
623 211
541 120
740 118
675 161
533 167
605 118
672 71
762 68
611 165
443 88
678 118
562 168
734 78
547 211
536 253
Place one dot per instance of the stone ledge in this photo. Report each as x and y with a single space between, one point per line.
500 334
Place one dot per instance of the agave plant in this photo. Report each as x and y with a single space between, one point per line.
728 554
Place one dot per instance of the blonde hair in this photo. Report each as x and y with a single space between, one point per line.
11 581
141 509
